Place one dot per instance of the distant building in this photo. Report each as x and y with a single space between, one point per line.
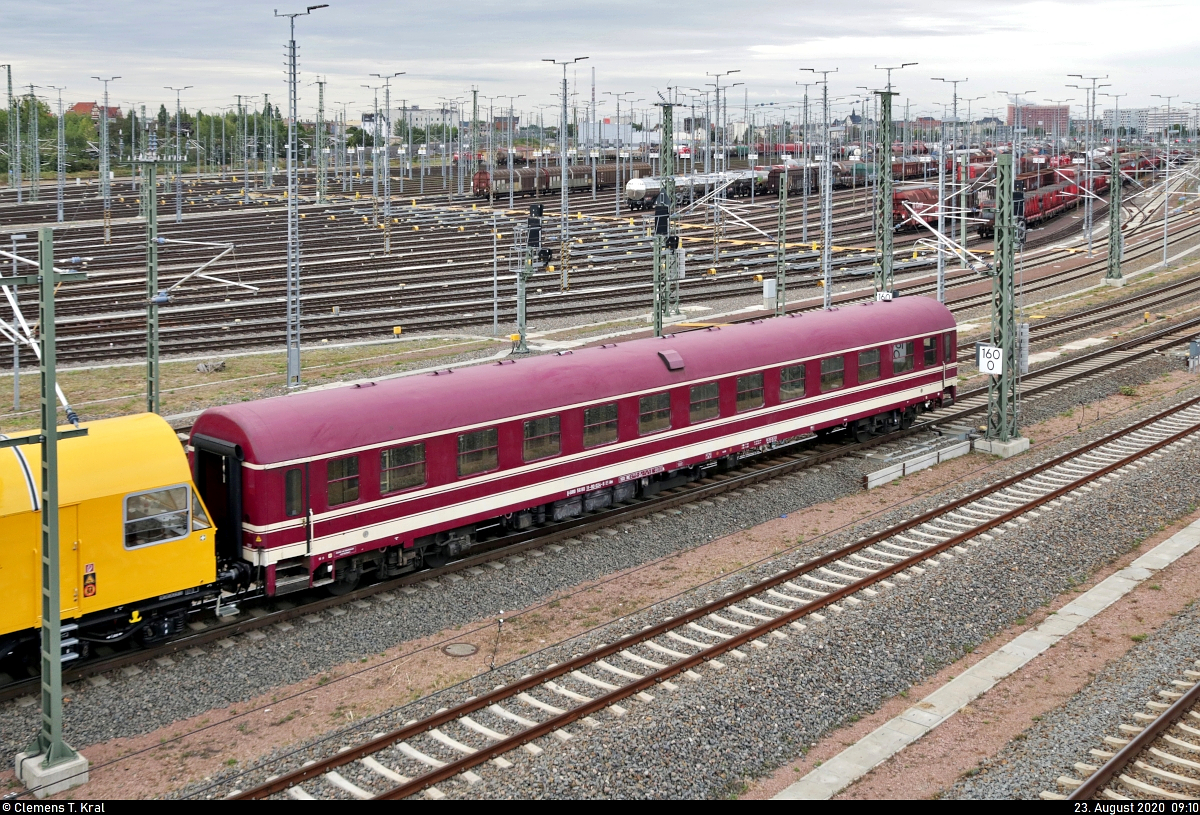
1040 118
1146 121
92 109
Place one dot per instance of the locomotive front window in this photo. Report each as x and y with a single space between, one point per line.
749 392
402 468
542 439
654 413
478 452
833 373
342 475
791 383
930 344
293 504
156 516
704 402
199 516
600 425
903 357
868 365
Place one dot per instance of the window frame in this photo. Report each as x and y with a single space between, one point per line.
803 380
947 346
125 516
643 413
384 469
929 345
760 389
525 438
897 366
329 482
615 421
494 446
841 371
287 492
714 401
878 364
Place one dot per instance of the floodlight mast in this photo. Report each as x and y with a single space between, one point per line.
387 157
105 187
1090 113
826 193
61 164
179 151
564 238
293 199
1167 167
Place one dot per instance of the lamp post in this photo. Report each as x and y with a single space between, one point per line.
61 164
105 186
962 200
387 157
178 152
293 214
617 201
563 236
1167 177
826 191
1090 108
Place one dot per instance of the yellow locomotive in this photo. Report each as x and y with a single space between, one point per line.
136 543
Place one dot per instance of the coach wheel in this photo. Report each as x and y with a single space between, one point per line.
862 431
907 417
346 582
435 557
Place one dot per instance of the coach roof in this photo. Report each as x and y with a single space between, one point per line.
322 422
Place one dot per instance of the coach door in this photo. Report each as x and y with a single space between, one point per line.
219 480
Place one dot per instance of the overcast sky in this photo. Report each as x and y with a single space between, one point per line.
226 48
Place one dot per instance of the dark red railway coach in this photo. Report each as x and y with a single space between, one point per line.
322 486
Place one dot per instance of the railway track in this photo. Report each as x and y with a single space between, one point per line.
536 710
781 461
1155 759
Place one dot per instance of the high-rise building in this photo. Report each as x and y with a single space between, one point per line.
1040 119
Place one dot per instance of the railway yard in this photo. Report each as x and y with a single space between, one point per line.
375 483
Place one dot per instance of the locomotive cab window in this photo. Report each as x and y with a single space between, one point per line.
791 383
478 452
704 402
749 392
293 501
342 475
157 516
654 413
600 425
199 516
930 348
542 438
833 373
903 357
868 365
401 468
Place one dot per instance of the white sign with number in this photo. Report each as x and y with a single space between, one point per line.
753 156
990 359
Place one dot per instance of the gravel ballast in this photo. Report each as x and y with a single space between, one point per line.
704 739
1029 765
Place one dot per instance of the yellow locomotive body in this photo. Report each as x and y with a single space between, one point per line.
136 545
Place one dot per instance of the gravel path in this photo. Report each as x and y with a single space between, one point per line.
704 739
1029 765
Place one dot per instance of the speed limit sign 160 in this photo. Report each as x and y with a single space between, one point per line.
990 359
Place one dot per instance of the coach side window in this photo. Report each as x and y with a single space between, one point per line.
791 383
600 425
868 365
704 402
903 357
542 438
749 392
401 468
833 373
342 475
948 347
654 413
478 452
930 347
293 503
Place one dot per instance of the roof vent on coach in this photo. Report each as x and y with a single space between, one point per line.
673 361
